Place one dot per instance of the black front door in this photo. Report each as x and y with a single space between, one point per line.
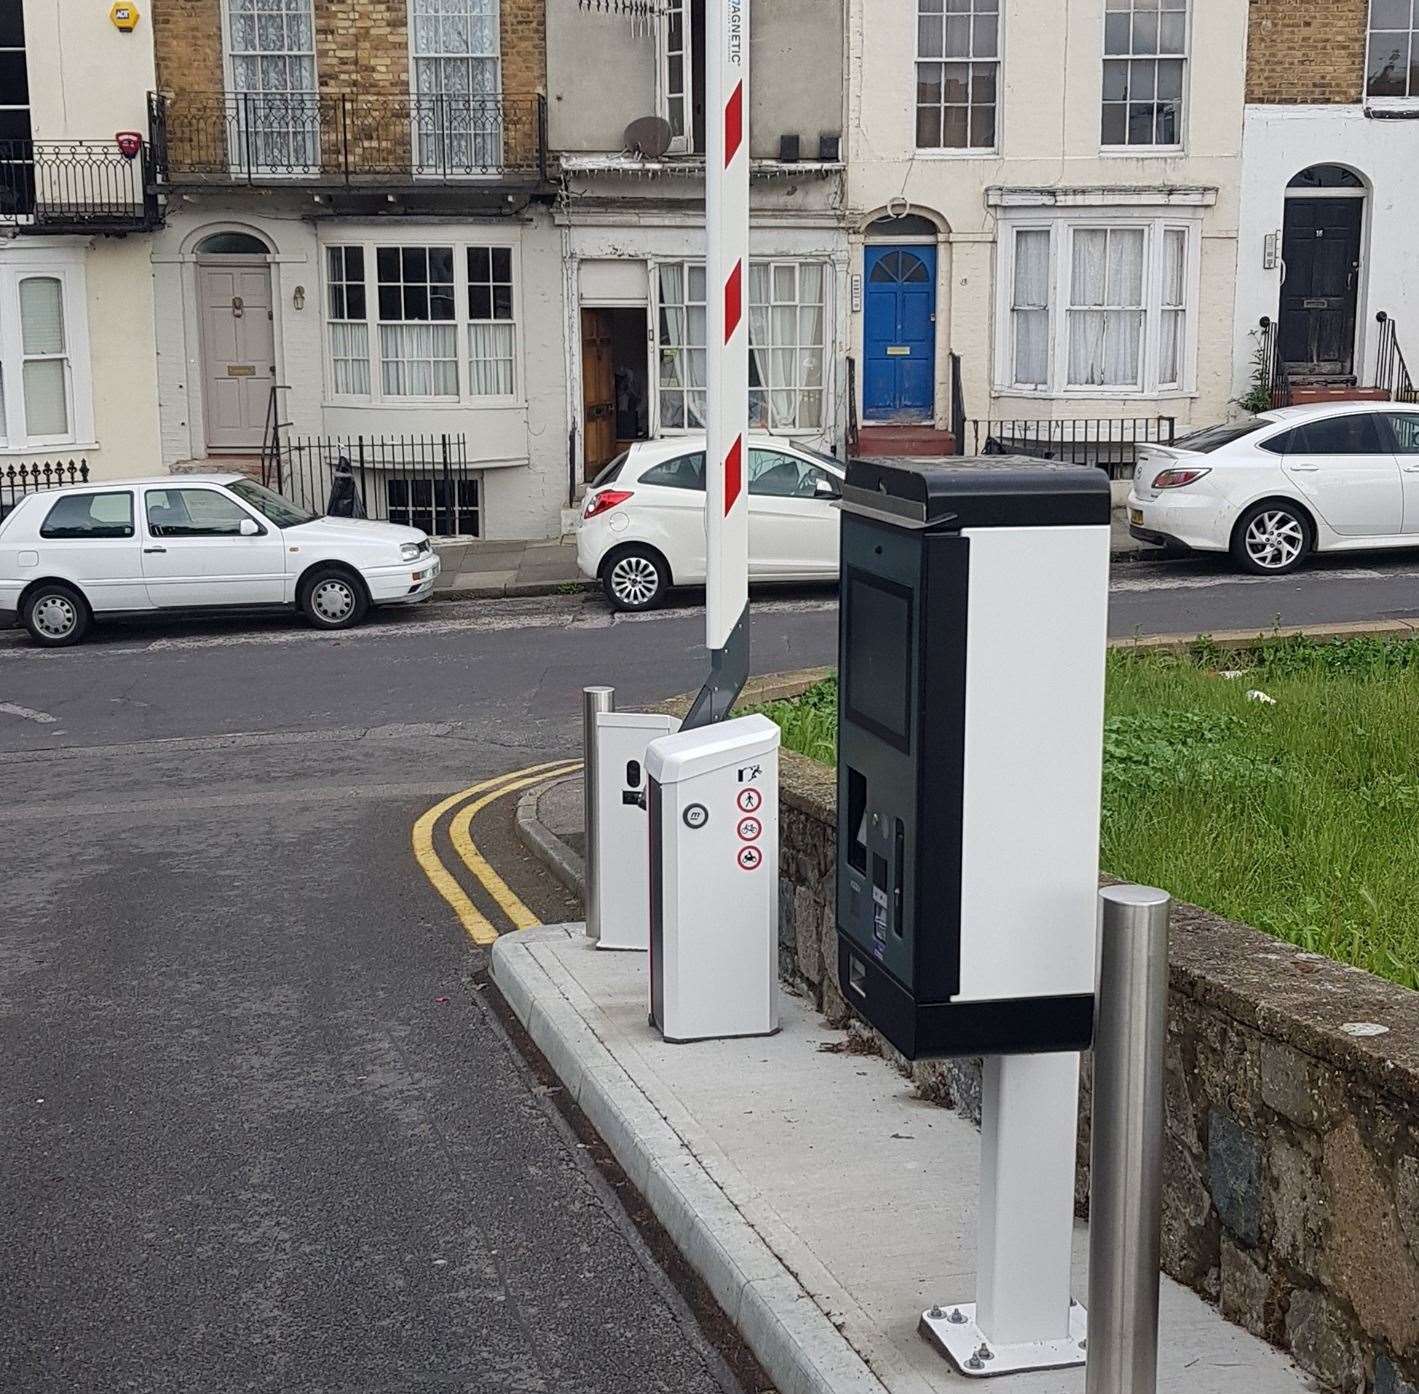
1321 249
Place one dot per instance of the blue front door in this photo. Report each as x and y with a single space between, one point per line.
899 334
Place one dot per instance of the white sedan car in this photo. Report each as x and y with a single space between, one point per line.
193 542
1338 476
642 527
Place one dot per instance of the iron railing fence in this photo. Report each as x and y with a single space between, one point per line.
345 139
75 185
421 481
18 480
1391 371
1111 443
1277 380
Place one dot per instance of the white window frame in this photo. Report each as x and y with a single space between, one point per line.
68 269
417 134
1406 103
461 321
1184 100
237 156
826 422
684 142
998 62
1061 229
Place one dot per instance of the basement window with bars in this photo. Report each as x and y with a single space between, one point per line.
440 507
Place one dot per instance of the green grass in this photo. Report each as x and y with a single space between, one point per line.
1300 818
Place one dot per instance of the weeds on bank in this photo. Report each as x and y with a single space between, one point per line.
1301 818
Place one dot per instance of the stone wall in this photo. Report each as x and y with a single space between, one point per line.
1306 50
1291 1188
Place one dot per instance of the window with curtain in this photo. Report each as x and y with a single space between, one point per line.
1392 69
1096 308
418 336
457 86
347 321
787 345
1106 307
271 47
957 73
1029 308
1145 63
44 366
683 334
491 333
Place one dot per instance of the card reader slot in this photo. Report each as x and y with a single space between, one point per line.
857 820
899 856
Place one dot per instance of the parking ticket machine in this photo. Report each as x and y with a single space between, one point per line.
971 687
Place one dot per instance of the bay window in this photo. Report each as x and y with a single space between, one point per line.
1145 71
787 345
431 306
1096 308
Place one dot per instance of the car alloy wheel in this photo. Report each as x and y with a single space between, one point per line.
333 600
635 581
1274 539
55 616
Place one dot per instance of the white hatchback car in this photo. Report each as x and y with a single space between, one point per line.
196 542
642 527
1338 476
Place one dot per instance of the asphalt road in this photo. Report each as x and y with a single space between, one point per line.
260 1133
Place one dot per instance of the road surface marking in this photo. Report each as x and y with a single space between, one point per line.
27 713
475 924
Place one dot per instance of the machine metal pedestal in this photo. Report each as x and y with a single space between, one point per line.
1023 1317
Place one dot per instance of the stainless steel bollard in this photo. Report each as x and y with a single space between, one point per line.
1126 1143
594 700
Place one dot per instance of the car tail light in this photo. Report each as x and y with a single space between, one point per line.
1176 478
604 502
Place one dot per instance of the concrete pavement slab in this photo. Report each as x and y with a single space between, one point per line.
824 1204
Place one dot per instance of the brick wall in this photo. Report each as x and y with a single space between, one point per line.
1306 50
187 43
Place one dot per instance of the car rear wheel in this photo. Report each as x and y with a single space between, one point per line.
333 599
635 578
56 615
1272 539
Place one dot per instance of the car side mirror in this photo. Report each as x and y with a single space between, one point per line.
826 489
249 527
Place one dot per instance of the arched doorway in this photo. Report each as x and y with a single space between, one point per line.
899 320
1321 249
237 333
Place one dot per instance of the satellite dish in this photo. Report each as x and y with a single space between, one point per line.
649 136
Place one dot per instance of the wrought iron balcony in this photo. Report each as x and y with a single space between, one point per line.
346 141
75 186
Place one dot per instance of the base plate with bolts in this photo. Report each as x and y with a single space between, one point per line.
953 1331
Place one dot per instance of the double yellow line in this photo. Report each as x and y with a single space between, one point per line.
473 800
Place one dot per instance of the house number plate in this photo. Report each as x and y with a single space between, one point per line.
241 370
899 351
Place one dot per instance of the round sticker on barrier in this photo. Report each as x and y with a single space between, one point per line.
749 800
749 829
696 816
750 858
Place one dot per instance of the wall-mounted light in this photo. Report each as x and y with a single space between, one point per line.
298 297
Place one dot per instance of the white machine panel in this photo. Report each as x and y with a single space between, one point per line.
714 880
622 873
1029 795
